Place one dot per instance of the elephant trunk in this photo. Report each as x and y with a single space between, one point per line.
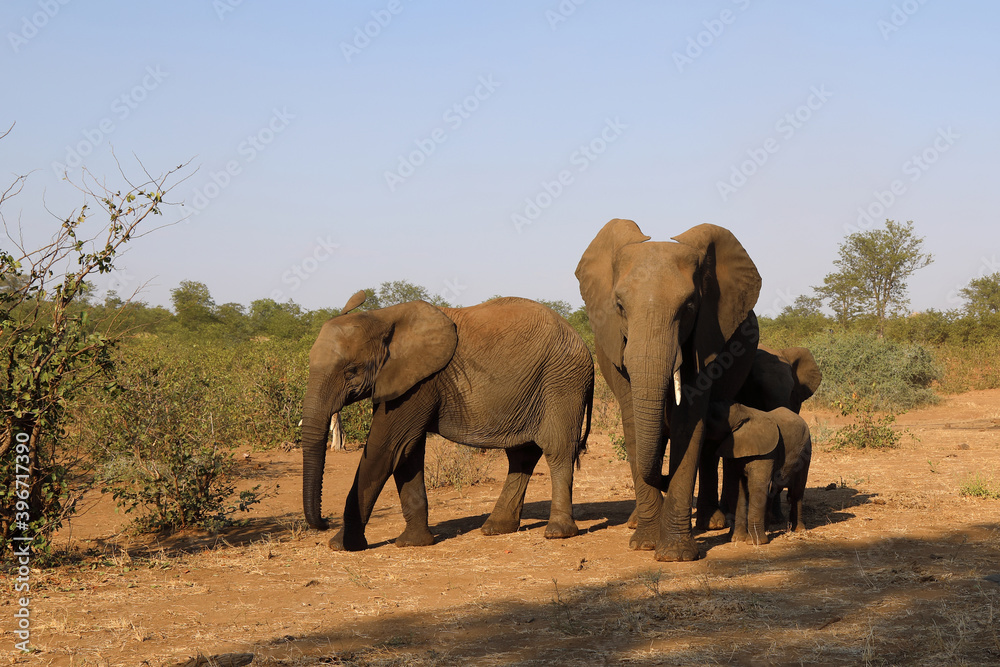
655 391
316 413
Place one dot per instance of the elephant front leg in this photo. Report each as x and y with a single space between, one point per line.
409 478
739 532
373 472
506 515
710 516
758 480
676 543
351 536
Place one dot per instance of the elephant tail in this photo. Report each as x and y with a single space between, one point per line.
582 445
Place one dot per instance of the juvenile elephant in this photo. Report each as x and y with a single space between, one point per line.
764 451
778 379
673 327
509 373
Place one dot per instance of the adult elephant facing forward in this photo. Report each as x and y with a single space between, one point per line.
674 328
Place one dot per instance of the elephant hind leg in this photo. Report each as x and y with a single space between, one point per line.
506 515
559 454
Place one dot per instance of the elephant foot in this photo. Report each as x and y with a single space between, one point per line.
633 519
557 530
644 539
415 537
799 527
756 536
739 535
714 521
678 548
353 542
494 526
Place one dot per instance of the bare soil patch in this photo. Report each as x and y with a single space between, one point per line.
893 570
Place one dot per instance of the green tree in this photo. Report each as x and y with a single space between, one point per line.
282 320
982 295
400 291
50 353
561 307
193 304
873 269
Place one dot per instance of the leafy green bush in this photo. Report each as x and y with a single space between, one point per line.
356 421
869 431
164 438
978 486
618 444
889 374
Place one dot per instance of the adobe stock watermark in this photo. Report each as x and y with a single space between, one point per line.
914 168
21 538
698 43
786 127
248 150
364 34
32 25
299 272
454 117
121 108
987 267
561 12
584 156
898 17
453 289
223 7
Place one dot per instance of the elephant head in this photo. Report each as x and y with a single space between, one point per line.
806 372
661 312
742 432
378 354
781 378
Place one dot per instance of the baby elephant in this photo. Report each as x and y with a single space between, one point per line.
765 451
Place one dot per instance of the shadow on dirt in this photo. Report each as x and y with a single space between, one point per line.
837 603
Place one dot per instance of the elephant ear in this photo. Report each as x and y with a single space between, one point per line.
730 285
596 275
754 433
420 340
806 371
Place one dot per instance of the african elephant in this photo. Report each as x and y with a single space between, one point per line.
778 379
765 451
508 373
781 379
673 327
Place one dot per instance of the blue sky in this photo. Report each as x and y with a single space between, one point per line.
350 164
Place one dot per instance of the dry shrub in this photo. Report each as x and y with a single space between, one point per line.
449 464
969 366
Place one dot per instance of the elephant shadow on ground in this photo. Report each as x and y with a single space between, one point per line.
823 506
535 515
830 504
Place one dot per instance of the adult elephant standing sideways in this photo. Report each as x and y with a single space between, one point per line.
674 328
509 373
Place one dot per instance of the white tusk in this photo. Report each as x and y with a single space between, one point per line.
677 387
